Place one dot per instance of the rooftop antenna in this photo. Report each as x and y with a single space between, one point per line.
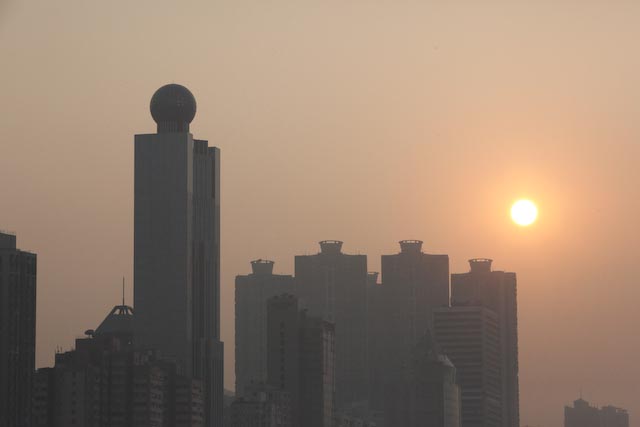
123 291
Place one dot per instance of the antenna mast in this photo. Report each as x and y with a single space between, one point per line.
123 291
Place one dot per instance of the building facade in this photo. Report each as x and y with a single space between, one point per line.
251 295
333 285
301 361
261 406
428 393
105 382
413 285
470 338
582 414
497 291
18 271
177 246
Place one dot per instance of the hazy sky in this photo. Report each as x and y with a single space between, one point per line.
365 121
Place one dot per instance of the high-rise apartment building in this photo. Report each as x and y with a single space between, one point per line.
497 291
413 284
427 394
611 416
333 285
252 293
470 337
260 406
177 246
300 361
17 332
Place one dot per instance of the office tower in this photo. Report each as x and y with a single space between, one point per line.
581 415
427 394
413 284
333 285
300 361
105 382
495 290
261 406
252 293
470 338
177 245
17 332
610 416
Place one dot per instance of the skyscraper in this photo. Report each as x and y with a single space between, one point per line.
413 284
17 331
177 245
333 285
497 291
252 293
470 338
301 361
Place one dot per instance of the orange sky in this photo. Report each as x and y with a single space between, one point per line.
365 121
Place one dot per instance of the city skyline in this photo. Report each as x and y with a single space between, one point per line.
421 121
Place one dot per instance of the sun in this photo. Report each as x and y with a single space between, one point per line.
524 212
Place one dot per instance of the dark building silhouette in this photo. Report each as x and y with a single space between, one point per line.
252 293
582 414
427 394
497 291
104 382
610 416
470 338
17 332
333 285
413 284
177 246
300 361
261 406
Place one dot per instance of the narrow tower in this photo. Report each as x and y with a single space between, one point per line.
177 245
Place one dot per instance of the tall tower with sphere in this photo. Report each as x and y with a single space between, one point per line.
177 245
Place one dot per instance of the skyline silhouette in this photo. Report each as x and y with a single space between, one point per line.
419 121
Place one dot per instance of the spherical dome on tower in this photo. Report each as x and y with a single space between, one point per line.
173 107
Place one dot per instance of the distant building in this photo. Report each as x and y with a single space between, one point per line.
582 414
610 416
251 295
333 285
17 332
495 290
428 393
413 285
470 337
177 246
261 406
105 382
300 361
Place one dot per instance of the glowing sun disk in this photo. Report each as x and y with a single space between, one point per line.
524 212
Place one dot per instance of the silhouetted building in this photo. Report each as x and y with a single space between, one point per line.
427 394
610 416
333 285
104 382
470 338
413 284
252 293
17 332
300 361
582 414
177 246
261 406
495 290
